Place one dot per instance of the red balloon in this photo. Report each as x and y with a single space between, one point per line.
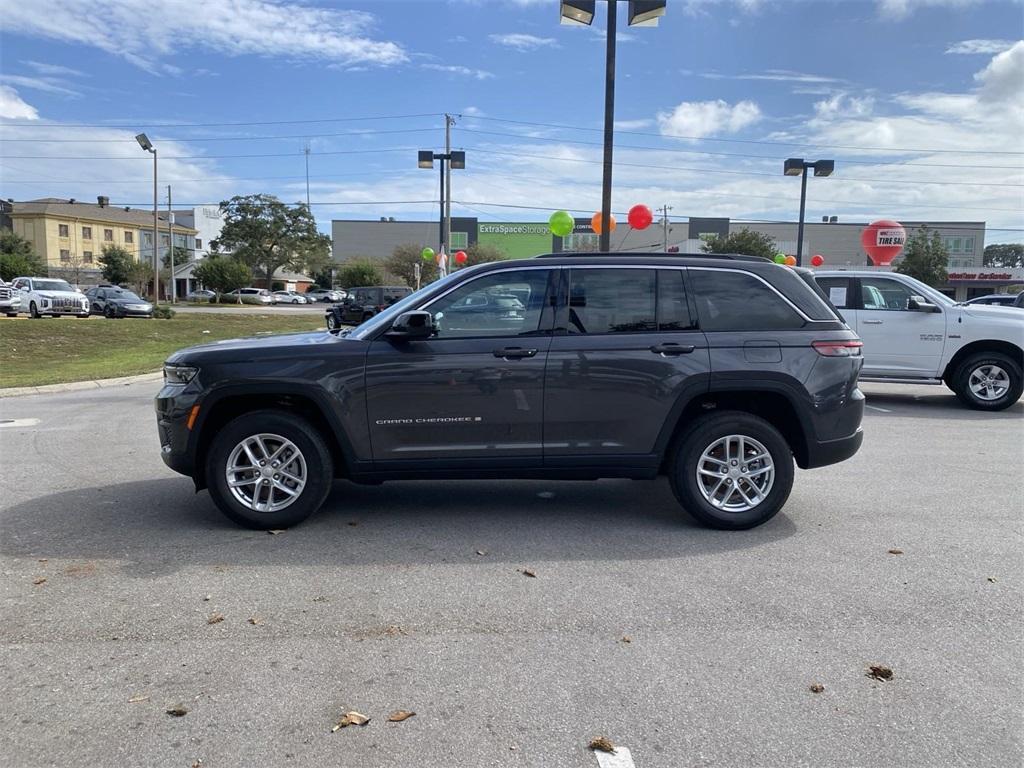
817 260
460 257
640 216
883 240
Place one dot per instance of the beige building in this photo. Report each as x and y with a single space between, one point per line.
69 235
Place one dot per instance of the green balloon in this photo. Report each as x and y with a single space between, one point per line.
427 254
780 258
561 223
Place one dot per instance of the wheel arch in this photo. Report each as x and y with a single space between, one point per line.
1008 348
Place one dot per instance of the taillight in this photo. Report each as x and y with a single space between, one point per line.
849 348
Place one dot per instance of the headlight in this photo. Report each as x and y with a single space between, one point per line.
179 374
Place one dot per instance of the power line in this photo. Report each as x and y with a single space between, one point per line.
158 138
140 125
298 153
905 150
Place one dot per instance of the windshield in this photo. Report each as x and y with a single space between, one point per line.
127 295
52 285
384 319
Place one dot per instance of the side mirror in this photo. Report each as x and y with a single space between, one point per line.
412 325
920 304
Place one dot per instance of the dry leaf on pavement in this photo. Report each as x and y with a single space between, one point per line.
400 715
817 687
40 580
895 551
528 572
215 618
255 620
177 711
627 639
601 743
481 552
276 531
350 718
992 579
879 672
207 598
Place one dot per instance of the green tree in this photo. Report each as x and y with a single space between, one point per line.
181 256
222 274
359 272
743 242
139 277
402 263
17 259
925 258
116 264
1004 255
266 235
480 253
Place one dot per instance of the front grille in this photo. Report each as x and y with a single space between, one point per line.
5 292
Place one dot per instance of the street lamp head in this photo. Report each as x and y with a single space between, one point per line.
425 159
578 12
645 13
144 142
458 160
824 167
794 166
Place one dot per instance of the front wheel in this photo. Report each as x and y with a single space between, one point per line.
269 469
33 311
731 470
989 381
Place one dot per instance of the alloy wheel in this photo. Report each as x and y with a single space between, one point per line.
989 382
735 473
266 472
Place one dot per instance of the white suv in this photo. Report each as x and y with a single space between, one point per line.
914 334
48 296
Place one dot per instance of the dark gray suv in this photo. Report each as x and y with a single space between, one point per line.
719 372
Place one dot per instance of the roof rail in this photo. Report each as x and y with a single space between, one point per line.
659 254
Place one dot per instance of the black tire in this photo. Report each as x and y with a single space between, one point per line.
11 314
108 312
82 317
703 433
319 468
33 311
962 381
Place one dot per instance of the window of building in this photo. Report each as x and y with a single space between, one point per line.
969 244
87 257
199 243
956 245
62 230
736 301
108 235
65 254
499 304
87 233
460 241
612 301
129 237
147 238
164 239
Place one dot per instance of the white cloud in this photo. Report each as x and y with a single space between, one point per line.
778 75
142 31
472 111
13 108
989 47
523 42
53 69
46 84
1003 78
843 105
457 69
633 125
697 119
901 9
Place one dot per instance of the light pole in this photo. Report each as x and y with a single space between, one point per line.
797 166
642 13
147 145
457 159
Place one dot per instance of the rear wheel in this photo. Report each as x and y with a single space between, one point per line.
989 381
269 469
731 470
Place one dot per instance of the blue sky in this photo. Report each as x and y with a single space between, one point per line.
708 105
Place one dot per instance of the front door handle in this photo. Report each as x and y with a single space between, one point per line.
514 353
672 349
872 322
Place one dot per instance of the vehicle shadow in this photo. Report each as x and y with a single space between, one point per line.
940 402
160 526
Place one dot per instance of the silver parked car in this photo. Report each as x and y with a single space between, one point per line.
290 297
10 300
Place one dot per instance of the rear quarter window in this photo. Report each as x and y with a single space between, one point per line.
737 301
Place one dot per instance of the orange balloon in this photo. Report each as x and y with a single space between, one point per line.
791 261
596 224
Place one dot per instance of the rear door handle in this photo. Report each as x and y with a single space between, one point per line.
672 349
872 322
513 353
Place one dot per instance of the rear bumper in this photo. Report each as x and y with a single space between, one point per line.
826 452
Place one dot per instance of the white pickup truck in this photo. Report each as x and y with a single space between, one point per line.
914 334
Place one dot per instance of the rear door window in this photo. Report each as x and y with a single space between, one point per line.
737 301
673 308
612 301
839 291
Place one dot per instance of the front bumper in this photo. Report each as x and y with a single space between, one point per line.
173 407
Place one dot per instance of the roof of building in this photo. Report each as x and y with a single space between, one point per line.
55 206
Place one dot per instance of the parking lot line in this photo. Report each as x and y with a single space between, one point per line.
876 408
620 758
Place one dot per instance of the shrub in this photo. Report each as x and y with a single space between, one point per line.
163 312
245 299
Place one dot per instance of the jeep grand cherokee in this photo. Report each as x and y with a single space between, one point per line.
719 372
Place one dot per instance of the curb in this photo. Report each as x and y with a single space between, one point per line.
77 386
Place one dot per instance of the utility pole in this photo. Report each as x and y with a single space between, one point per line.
664 227
609 123
170 244
446 237
305 149
156 235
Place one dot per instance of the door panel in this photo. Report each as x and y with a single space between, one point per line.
476 389
608 386
897 341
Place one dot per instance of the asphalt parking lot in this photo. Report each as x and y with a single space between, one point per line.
690 647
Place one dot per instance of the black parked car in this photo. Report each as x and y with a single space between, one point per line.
365 302
719 372
111 301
